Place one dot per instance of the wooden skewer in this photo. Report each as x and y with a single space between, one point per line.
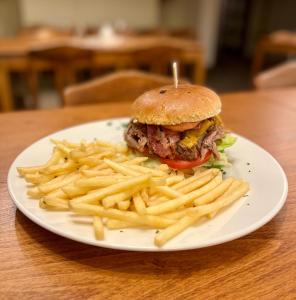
175 73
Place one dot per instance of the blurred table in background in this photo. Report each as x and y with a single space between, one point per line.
118 52
279 42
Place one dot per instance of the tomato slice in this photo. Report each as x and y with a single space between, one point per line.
181 127
186 164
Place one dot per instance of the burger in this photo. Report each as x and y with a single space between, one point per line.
181 126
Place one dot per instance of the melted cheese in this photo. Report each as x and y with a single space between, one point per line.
193 136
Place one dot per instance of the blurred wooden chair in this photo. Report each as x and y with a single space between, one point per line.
65 61
184 33
158 59
279 42
116 87
283 75
154 31
42 35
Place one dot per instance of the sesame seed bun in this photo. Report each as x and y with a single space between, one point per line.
170 106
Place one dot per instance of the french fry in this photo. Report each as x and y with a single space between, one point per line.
118 148
58 183
164 167
171 180
199 182
98 228
54 204
64 149
144 170
222 201
71 190
171 205
84 168
120 158
139 204
191 179
37 178
233 186
56 155
70 144
116 224
215 193
124 205
178 214
158 201
93 173
96 182
58 193
188 185
93 152
135 161
191 185
168 191
94 159
112 189
125 170
59 169
77 154
144 195
105 144
103 166
156 181
126 216
34 192
197 212
164 236
111 200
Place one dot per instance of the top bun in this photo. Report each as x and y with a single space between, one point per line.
170 106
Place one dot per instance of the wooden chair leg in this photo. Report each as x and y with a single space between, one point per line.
6 101
60 75
258 60
70 76
198 70
124 63
159 67
32 83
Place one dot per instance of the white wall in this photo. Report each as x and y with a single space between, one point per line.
137 13
9 17
179 13
201 15
208 28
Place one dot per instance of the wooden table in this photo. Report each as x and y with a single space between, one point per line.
115 51
38 264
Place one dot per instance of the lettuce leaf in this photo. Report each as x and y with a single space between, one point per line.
227 141
217 163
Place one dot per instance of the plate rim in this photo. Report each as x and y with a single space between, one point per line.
218 240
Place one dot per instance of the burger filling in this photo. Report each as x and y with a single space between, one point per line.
165 142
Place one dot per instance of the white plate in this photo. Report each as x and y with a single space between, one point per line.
250 162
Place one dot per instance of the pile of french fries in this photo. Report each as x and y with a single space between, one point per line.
120 189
